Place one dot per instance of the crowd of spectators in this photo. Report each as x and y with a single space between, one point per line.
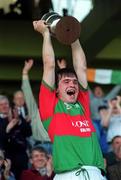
25 147
106 117
21 128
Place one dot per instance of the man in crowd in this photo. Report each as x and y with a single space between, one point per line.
41 166
98 98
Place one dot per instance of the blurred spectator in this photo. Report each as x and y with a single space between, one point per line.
111 158
41 166
112 120
5 168
19 103
5 116
114 171
99 99
17 131
102 131
39 133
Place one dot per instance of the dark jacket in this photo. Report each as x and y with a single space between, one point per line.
3 135
114 171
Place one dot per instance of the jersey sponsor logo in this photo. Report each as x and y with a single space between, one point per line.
82 125
63 124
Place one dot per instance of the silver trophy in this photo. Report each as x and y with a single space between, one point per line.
65 29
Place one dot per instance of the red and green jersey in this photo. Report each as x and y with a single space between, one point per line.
71 130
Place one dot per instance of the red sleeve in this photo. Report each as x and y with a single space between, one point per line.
47 101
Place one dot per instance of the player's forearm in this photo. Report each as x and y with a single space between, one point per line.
47 51
79 59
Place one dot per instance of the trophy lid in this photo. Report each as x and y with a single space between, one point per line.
67 30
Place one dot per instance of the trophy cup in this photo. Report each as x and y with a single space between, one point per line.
65 29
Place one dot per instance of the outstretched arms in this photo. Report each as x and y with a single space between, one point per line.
79 60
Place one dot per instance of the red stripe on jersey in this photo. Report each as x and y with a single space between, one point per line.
64 124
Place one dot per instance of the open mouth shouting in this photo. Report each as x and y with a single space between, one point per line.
71 92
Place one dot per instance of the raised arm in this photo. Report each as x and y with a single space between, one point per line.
113 93
29 98
27 66
47 52
79 63
39 133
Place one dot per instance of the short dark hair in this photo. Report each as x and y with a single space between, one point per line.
64 72
102 107
114 99
39 149
118 136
